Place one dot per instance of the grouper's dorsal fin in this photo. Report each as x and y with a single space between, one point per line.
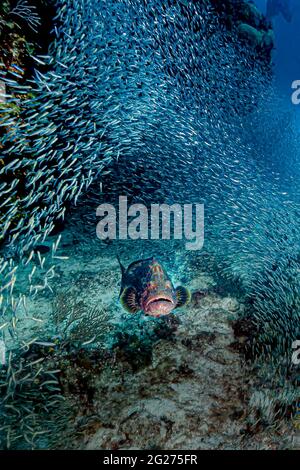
121 265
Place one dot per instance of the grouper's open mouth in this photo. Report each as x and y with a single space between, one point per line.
159 305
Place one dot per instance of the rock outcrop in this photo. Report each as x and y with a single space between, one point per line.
244 18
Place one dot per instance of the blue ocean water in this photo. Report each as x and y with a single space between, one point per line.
286 55
157 102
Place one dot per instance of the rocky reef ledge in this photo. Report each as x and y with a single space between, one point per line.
243 18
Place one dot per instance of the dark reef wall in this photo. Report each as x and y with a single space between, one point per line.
25 29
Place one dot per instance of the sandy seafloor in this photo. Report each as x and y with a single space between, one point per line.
182 383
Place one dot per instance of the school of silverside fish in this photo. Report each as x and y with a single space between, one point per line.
160 90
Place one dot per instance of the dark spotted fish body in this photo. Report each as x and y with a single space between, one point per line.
146 286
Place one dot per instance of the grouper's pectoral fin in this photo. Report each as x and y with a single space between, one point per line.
183 296
128 299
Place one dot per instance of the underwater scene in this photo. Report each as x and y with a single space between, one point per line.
150 225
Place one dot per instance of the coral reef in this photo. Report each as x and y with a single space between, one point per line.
24 30
193 392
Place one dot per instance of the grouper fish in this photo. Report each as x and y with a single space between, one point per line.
146 287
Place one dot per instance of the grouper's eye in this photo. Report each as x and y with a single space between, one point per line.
168 285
